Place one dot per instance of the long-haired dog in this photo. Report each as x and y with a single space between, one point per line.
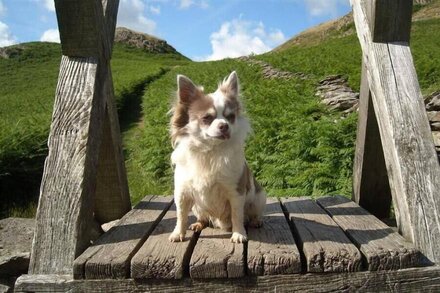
211 176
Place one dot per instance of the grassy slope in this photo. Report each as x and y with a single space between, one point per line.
343 56
288 124
298 146
27 88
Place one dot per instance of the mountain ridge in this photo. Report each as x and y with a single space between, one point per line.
343 26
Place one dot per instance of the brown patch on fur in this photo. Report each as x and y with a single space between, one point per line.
198 226
200 106
185 109
244 184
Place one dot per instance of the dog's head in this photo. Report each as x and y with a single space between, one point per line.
210 118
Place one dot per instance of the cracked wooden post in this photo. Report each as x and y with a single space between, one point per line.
413 169
84 181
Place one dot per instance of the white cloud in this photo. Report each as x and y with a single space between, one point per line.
2 8
49 5
184 4
324 7
154 9
240 37
51 35
6 38
132 15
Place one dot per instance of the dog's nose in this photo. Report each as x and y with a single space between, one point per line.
224 127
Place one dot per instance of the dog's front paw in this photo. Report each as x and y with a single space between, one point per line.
176 237
197 226
238 237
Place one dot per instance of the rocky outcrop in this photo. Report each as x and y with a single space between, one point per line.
337 95
11 51
142 41
270 72
16 236
432 104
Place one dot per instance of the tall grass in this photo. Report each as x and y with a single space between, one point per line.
27 90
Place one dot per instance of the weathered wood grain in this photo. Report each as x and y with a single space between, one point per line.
110 256
382 248
160 258
65 217
112 199
407 280
324 244
81 28
410 156
271 248
371 188
65 210
215 256
390 21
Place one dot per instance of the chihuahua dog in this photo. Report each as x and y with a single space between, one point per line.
211 176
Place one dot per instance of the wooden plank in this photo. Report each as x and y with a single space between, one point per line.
382 248
64 218
324 244
271 248
409 151
390 21
371 188
160 258
110 256
425 279
215 256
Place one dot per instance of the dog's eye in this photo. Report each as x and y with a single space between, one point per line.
207 119
231 117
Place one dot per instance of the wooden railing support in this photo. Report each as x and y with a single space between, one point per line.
371 188
411 161
84 182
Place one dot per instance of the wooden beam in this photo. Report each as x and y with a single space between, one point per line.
66 223
371 189
411 160
65 209
390 20
112 198
407 280
80 26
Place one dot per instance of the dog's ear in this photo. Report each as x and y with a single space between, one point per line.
230 86
187 91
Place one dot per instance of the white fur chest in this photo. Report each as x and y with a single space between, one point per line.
208 178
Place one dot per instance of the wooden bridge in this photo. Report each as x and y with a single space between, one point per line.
331 244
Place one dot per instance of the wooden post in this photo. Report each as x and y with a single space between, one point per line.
371 189
410 157
74 195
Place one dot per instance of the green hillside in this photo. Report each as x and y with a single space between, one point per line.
298 147
27 88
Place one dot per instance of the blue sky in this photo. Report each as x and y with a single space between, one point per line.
199 29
